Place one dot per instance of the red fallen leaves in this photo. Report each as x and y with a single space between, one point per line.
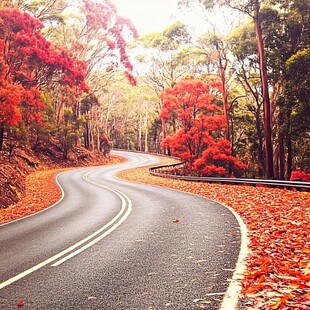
278 268
282 301
20 303
278 220
41 192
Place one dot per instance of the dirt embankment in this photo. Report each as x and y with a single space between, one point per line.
22 161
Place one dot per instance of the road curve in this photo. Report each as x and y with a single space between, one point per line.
112 244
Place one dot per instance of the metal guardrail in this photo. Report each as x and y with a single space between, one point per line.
160 171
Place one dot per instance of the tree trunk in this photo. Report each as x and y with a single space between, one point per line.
289 162
281 158
276 164
1 137
97 138
76 110
106 125
146 148
77 141
265 93
289 156
164 134
281 147
87 135
91 130
139 134
260 144
222 70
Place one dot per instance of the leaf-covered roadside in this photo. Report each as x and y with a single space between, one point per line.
278 220
41 192
278 268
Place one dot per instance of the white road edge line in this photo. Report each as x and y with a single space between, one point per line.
231 298
73 247
232 295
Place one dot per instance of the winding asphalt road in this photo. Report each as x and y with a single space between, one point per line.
111 244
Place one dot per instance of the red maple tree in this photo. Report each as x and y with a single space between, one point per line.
10 97
198 123
28 64
106 32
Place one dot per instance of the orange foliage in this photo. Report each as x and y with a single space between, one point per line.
192 110
10 97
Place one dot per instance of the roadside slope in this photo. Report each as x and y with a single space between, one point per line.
22 161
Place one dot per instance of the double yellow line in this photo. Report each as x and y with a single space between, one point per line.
58 259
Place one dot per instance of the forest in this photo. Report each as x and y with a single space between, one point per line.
75 73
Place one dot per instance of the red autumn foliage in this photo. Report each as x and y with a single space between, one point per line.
300 175
31 60
198 123
32 106
29 64
214 159
10 98
131 78
110 30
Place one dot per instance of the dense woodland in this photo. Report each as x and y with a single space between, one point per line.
74 72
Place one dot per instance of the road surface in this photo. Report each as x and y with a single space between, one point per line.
112 244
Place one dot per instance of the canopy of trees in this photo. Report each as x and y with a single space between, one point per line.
48 85
67 77
28 64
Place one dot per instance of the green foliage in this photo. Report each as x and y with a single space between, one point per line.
66 132
177 32
87 102
171 38
242 41
295 106
152 40
18 135
47 10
